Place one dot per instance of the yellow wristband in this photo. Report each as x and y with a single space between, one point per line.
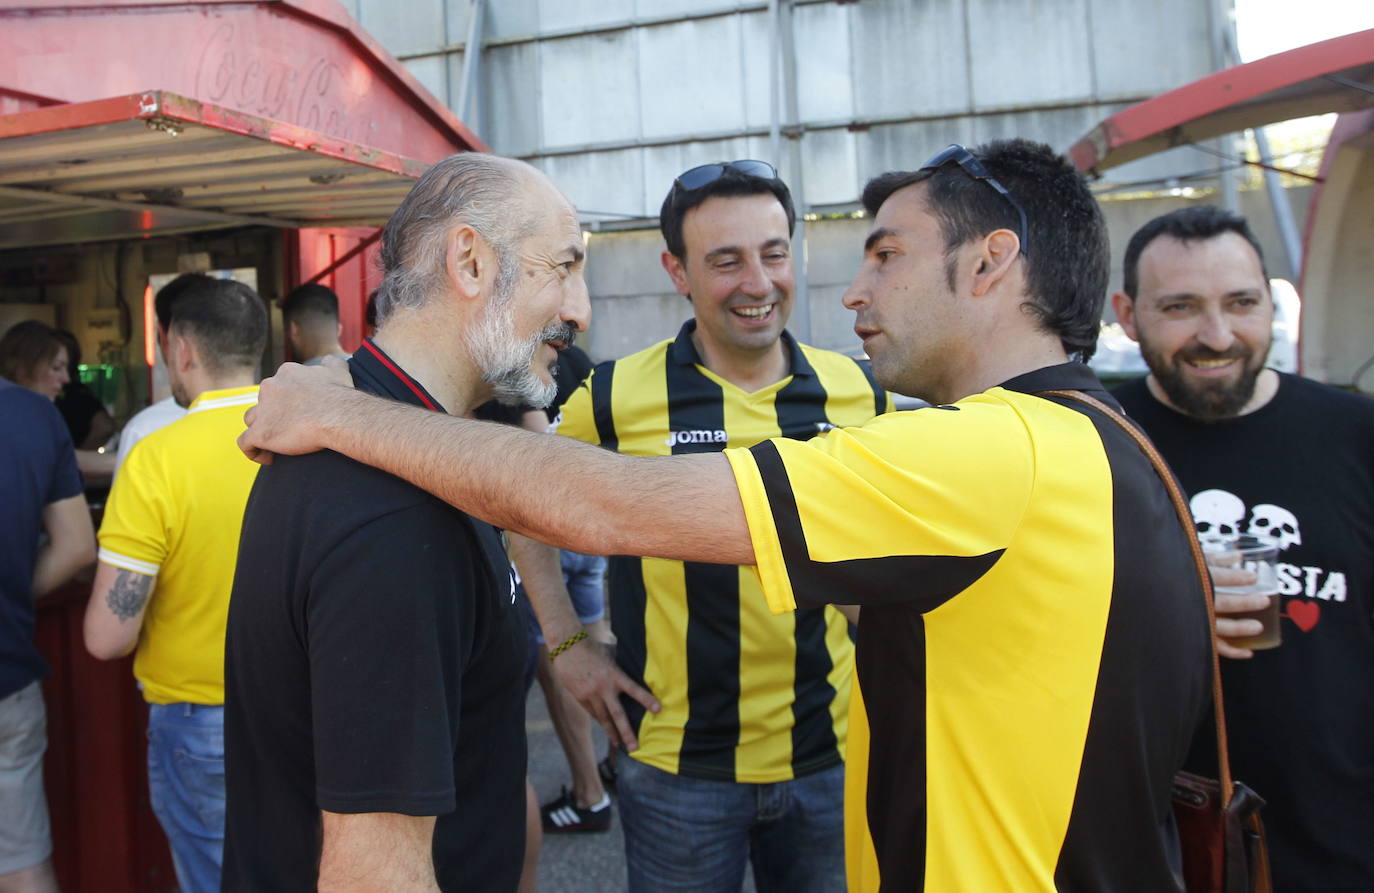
567 643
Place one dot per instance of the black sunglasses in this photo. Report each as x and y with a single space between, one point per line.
703 174
970 165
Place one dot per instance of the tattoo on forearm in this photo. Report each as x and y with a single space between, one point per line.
128 594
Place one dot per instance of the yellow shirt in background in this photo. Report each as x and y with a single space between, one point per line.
174 513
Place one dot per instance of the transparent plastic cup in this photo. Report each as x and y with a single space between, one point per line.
1256 554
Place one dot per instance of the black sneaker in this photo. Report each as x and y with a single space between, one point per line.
564 814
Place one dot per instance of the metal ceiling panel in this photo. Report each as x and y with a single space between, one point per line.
693 92
510 97
156 163
404 27
603 186
564 15
662 8
432 73
830 165
1008 40
915 56
1147 48
511 18
756 41
825 90
588 90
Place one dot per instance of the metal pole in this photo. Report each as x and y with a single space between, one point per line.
1283 212
1223 27
774 84
469 105
800 323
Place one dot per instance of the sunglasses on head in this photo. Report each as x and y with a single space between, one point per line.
970 165
703 174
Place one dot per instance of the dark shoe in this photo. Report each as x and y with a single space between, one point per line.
564 814
606 769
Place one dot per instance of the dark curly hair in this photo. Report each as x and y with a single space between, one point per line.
1067 259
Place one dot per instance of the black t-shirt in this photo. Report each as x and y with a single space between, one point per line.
1300 716
79 406
373 664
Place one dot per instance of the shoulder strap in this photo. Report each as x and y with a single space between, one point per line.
1185 517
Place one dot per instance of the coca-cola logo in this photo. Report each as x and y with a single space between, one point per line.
310 96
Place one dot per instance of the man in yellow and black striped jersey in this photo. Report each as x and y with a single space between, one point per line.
1032 654
744 762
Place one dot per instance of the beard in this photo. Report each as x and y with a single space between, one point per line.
1206 401
505 360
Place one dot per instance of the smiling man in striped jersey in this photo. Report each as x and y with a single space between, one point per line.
744 762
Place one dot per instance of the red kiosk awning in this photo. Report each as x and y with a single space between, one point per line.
127 118
158 163
1335 75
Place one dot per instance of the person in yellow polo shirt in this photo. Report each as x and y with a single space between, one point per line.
168 545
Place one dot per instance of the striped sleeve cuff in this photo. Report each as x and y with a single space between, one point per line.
114 559
769 564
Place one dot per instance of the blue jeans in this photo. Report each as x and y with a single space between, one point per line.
585 577
186 781
692 834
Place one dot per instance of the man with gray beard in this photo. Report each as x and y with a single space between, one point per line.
374 718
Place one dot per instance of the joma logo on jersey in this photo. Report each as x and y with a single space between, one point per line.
677 437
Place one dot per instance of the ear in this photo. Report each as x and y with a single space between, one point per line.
993 261
338 331
676 272
182 354
469 262
1125 314
293 332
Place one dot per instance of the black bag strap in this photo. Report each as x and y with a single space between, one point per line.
1185 517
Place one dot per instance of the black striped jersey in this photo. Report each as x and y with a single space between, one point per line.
1032 654
746 695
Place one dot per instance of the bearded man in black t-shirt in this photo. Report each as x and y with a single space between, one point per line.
1272 454
374 714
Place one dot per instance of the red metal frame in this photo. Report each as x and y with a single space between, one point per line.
170 108
1249 95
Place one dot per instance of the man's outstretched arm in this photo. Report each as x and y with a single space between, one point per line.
561 492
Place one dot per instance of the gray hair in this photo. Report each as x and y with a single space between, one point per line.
485 192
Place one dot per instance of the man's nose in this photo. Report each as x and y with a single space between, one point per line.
1215 333
577 305
855 296
756 283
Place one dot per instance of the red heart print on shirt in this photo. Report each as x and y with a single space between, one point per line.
1304 614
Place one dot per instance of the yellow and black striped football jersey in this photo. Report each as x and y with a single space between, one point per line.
1032 654
747 696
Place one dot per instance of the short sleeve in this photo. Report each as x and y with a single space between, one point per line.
578 419
389 623
139 515
911 508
